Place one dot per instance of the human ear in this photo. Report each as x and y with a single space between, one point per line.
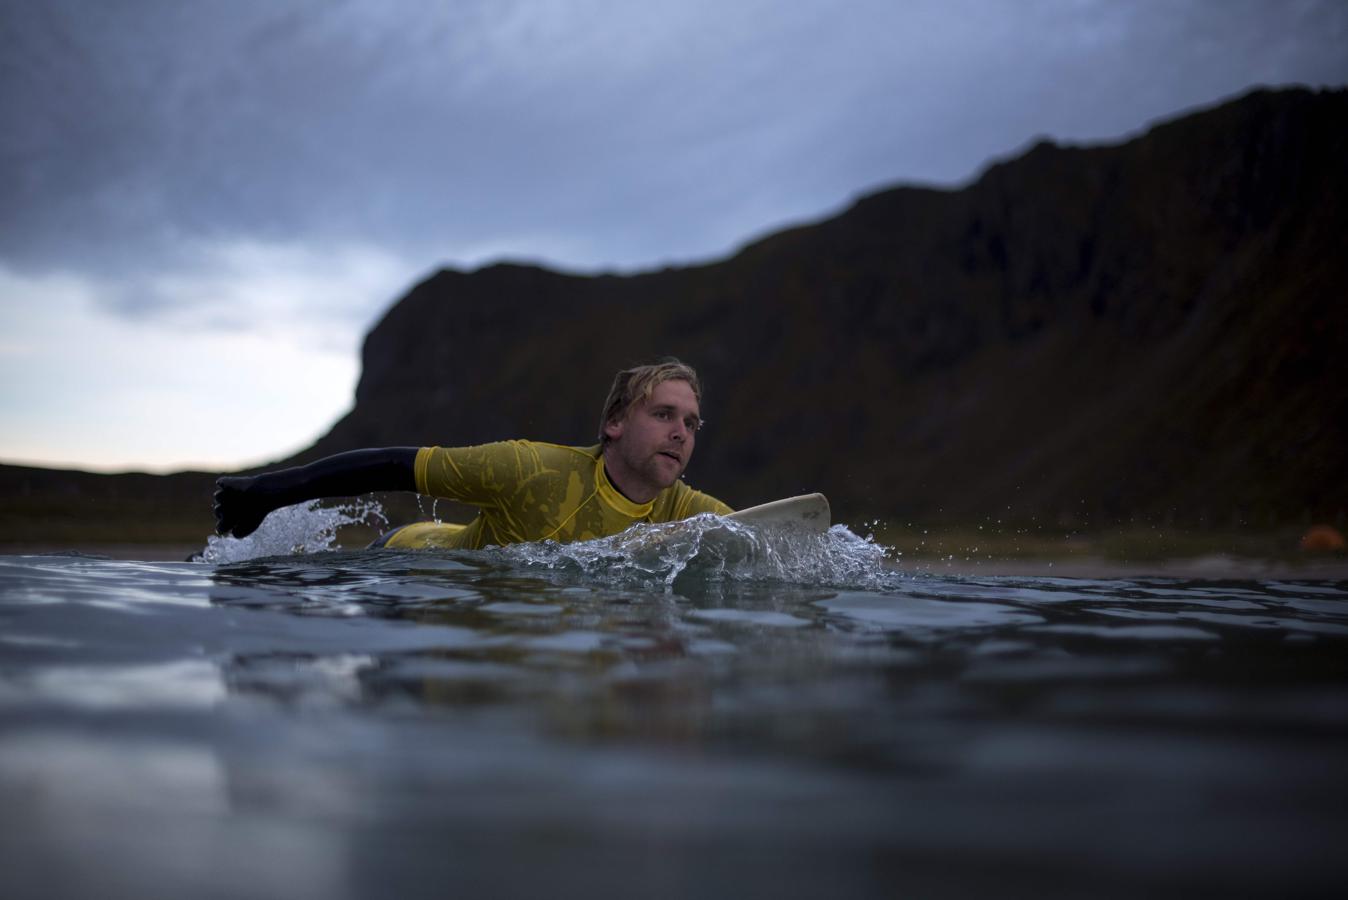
613 429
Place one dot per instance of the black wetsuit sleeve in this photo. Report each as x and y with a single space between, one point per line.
243 501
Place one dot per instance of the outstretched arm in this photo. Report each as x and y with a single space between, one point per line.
243 501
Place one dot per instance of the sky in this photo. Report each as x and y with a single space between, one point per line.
205 206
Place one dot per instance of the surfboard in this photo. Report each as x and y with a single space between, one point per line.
650 545
808 512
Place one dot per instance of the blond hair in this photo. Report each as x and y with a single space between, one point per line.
641 382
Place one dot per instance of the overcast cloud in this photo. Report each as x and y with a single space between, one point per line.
277 173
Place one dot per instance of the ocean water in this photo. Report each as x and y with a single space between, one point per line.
705 711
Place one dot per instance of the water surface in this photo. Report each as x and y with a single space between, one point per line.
710 714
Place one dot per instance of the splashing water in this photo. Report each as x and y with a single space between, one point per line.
303 528
714 548
706 546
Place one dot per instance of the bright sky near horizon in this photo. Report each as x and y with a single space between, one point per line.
204 206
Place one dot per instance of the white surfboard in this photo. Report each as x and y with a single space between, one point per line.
808 512
651 544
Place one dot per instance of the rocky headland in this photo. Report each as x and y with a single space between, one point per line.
1149 331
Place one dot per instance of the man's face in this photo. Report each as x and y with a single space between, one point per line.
650 446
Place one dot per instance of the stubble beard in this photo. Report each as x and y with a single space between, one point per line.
663 476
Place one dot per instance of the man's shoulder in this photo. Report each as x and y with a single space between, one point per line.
544 448
542 453
542 456
679 500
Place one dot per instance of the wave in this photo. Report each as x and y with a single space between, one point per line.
710 547
294 530
706 547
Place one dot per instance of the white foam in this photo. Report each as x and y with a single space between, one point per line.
303 528
706 546
715 548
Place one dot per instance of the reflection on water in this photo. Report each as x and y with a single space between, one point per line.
698 718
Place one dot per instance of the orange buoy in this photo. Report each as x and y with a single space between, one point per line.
1322 539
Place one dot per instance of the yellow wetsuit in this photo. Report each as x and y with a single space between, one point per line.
529 491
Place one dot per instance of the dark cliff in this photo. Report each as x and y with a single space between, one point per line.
1154 329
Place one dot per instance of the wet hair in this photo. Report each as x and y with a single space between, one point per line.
641 382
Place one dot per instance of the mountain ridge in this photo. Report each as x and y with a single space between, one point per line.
1151 330
1141 329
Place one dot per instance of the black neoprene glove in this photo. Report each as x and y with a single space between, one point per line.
243 501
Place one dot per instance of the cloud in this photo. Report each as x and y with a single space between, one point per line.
623 133
205 205
82 385
323 293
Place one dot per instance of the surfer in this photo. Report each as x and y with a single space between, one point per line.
524 490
